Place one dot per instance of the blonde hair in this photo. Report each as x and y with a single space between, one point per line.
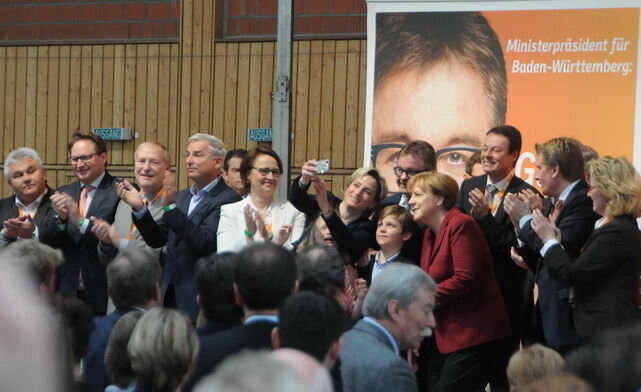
564 152
381 189
619 182
162 349
531 364
439 184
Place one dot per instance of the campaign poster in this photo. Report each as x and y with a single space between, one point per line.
447 72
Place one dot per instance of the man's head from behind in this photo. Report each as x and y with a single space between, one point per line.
133 279
439 77
40 261
312 323
501 149
320 269
215 283
264 275
25 174
559 162
402 300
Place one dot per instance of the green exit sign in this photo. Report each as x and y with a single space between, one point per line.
113 133
260 134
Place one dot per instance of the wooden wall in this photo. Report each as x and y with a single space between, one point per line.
166 92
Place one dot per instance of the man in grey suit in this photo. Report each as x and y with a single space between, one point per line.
152 161
398 315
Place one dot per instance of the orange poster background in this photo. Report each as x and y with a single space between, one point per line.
596 108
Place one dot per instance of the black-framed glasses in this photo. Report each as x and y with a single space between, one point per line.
450 160
264 171
399 171
82 158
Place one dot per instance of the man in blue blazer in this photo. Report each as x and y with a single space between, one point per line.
398 310
93 195
190 222
560 171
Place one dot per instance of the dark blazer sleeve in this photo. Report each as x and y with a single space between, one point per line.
354 238
301 200
608 247
154 233
576 222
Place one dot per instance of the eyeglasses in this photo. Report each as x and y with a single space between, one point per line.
83 158
264 171
450 160
408 172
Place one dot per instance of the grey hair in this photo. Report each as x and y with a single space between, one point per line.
166 156
267 374
216 146
162 349
398 281
19 154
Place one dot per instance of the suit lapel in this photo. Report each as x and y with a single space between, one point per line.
100 194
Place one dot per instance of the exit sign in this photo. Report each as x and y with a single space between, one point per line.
113 133
260 134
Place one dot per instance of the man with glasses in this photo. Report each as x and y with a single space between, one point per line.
412 158
190 221
77 204
439 77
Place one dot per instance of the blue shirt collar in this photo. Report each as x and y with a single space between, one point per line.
205 190
261 317
381 328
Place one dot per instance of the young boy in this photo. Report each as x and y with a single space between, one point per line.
394 228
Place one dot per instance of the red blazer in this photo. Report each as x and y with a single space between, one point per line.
469 306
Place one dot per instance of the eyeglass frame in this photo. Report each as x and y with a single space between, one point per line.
266 170
83 158
377 148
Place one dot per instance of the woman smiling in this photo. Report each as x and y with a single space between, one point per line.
259 216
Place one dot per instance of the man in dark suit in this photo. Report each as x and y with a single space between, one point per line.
28 212
190 222
93 195
398 310
264 275
482 197
134 284
415 157
560 171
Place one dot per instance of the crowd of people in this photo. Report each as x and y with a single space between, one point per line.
222 286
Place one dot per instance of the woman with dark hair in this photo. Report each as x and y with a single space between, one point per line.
605 276
471 318
259 217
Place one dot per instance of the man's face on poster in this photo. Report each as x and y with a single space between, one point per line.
444 104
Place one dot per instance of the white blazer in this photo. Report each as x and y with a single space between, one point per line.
231 227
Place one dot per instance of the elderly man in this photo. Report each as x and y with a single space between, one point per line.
190 222
151 162
398 315
93 195
28 212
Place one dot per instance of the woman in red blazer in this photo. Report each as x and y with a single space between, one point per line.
471 319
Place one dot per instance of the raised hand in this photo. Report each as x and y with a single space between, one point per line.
321 197
308 171
105 231
129 195
544 228
284 233
22 227
169 187
478 201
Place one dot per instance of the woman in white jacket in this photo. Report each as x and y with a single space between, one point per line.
259 217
